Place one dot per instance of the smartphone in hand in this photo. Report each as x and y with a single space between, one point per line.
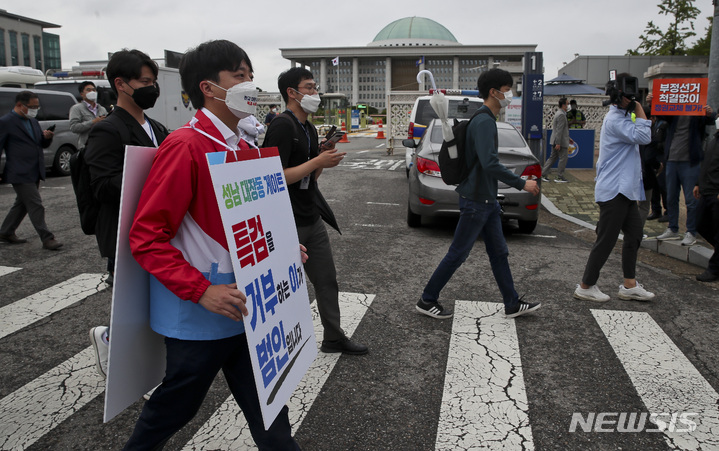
336 137
331 132
52 128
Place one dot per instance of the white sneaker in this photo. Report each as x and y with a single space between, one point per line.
689 239
101 347
668 235
637 293
590 294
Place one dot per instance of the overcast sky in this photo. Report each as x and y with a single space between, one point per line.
560 28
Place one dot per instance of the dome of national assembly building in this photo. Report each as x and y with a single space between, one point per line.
414 31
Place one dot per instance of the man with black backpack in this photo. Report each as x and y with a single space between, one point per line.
133 77
480 213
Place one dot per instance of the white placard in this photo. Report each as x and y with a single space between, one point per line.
262 239
137 354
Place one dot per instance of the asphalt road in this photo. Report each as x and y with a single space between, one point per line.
476 381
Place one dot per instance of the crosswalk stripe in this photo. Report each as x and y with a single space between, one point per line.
227 428
664 378
24 312
35 409
484 404
4 270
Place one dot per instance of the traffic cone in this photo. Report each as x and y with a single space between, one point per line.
344 137
380 133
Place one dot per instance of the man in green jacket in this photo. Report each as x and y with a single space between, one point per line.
480 213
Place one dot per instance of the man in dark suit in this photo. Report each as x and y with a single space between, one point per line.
23 141
133 77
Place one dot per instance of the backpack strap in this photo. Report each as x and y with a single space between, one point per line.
489 113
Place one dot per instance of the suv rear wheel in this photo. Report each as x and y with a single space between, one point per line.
61 165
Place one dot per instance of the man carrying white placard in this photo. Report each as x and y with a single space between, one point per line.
178 237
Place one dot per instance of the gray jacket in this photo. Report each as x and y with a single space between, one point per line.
560 129
81 121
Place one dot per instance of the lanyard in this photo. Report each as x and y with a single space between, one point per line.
307 134
223 144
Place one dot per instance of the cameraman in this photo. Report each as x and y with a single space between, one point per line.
618 188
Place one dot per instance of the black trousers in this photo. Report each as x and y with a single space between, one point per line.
618 214
708 227
320 269
27 202
191 368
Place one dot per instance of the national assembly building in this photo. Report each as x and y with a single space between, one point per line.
392 60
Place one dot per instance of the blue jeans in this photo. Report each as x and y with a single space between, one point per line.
682 175
476 219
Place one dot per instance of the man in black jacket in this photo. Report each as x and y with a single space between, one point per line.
133 77
303 160
682 156
23 141
707 192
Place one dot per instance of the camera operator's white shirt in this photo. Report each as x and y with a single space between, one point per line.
619 167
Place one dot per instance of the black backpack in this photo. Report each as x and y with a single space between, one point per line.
87 205
455 170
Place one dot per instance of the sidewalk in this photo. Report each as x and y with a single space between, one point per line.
574 201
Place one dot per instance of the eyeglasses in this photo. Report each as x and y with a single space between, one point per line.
31 107
311 88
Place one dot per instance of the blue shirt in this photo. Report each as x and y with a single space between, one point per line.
619 167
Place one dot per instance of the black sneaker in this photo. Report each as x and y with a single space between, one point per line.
433 309
560 179
521 308
545 178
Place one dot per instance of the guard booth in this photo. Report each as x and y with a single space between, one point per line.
335 104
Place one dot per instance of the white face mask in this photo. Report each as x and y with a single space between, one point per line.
241 99
504 103
32 112
309 103
91 96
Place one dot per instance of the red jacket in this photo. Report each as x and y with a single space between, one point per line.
177 233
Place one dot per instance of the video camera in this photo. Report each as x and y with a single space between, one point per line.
628 87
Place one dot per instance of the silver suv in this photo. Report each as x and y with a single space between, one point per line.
54 110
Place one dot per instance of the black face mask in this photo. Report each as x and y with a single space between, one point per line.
146 96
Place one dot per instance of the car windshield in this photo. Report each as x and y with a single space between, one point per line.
461 109
508 137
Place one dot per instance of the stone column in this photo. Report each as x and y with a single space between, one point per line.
323 74
387 80
455 73
355 81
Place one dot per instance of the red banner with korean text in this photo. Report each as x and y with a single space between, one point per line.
679 96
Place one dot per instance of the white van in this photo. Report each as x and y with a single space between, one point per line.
20 76
172 109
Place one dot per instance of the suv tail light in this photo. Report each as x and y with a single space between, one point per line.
410 131
428 167
533 172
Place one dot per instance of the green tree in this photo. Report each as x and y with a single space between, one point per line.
703 46
656 41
